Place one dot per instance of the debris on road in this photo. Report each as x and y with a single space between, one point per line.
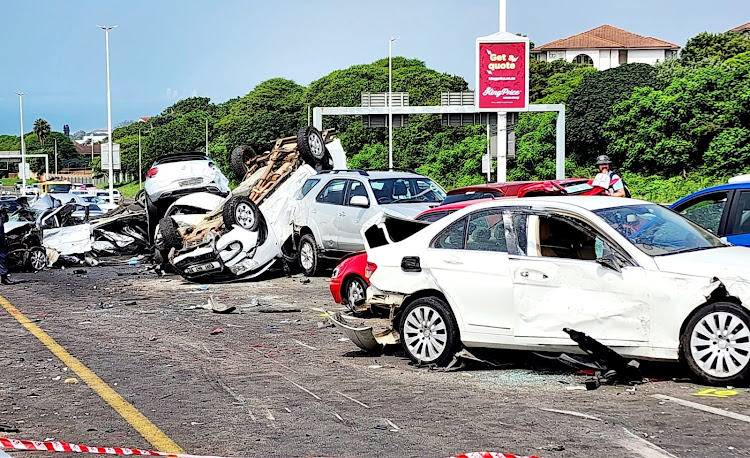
217 331
620 369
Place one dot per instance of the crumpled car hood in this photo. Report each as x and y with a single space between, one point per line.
725 263
409 210
11 226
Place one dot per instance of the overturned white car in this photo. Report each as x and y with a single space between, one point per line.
248 231
636 276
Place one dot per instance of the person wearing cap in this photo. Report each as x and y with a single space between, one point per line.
617 188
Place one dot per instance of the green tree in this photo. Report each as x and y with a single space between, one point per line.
41 129
714 47
590 105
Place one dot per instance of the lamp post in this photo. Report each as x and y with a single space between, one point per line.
390 102
106 29
22 167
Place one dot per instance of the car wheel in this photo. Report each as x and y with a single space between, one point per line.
37 259
243 212
170 236
308 255
311 146
355 291
429 333
140 197
716 344
240 159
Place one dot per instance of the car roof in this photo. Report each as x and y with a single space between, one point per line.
721 187
371 174
183 156
590 203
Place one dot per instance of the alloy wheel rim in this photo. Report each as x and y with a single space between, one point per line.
38 260
245 215
306 254
355 292
316 146
425 334
720 344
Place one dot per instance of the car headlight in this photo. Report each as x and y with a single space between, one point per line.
335 273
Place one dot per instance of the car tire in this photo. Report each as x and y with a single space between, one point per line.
37 259
239 159
354 291
170 236
308 255
326 163
715 344
311 146
429 333
140 197
243 212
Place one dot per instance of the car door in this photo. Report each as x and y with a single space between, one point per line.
326 211
351 218
559 284
708 210
738 221
469 260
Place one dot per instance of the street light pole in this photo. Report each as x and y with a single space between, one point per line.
390 102
55 157
106 29
22 168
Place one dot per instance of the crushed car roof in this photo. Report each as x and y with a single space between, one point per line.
590 203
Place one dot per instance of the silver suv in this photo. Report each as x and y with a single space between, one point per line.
334 204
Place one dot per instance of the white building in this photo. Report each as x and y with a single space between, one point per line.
93 137
606 47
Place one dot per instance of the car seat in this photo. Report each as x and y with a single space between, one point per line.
399 189
480 240
498 234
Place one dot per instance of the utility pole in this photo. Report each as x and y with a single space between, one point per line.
55 156
109 115
206 137
22 167
390 102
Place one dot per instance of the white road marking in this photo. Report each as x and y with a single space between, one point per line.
704 408
575 414
642 447
304 344
353 400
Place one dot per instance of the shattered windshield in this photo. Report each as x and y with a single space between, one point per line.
59 188
405 190
657 231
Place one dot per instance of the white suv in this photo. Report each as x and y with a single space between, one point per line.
334 204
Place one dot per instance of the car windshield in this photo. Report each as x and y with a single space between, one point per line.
404 190
658 231
59 188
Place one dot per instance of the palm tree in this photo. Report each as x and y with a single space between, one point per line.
41 129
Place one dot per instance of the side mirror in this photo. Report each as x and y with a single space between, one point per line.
608 259
359 201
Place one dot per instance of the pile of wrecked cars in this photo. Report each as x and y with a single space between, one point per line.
630 276
246 232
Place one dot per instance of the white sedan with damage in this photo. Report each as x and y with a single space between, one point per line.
513 274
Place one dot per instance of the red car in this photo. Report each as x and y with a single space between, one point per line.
349 281
568 186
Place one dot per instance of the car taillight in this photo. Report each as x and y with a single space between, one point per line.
152 172
370 269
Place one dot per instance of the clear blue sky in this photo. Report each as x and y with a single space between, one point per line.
170 49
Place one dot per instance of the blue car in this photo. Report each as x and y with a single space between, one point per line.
723 210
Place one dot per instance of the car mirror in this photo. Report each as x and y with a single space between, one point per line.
608 259
359 201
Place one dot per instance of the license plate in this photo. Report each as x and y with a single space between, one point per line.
202 268
190 182
578 188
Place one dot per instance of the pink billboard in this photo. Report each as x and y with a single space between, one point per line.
502 76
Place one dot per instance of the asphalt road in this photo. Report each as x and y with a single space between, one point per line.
286 384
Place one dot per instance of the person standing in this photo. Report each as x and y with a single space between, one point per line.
617 185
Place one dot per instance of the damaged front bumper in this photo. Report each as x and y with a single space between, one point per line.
236 254
361 335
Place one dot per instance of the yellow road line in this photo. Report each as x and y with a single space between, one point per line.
137 420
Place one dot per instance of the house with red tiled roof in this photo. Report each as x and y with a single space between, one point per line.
607 47
744 29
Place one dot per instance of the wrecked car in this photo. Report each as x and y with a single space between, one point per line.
251 228
635 276
24 245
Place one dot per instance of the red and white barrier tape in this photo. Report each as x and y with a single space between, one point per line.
490 455
55 446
